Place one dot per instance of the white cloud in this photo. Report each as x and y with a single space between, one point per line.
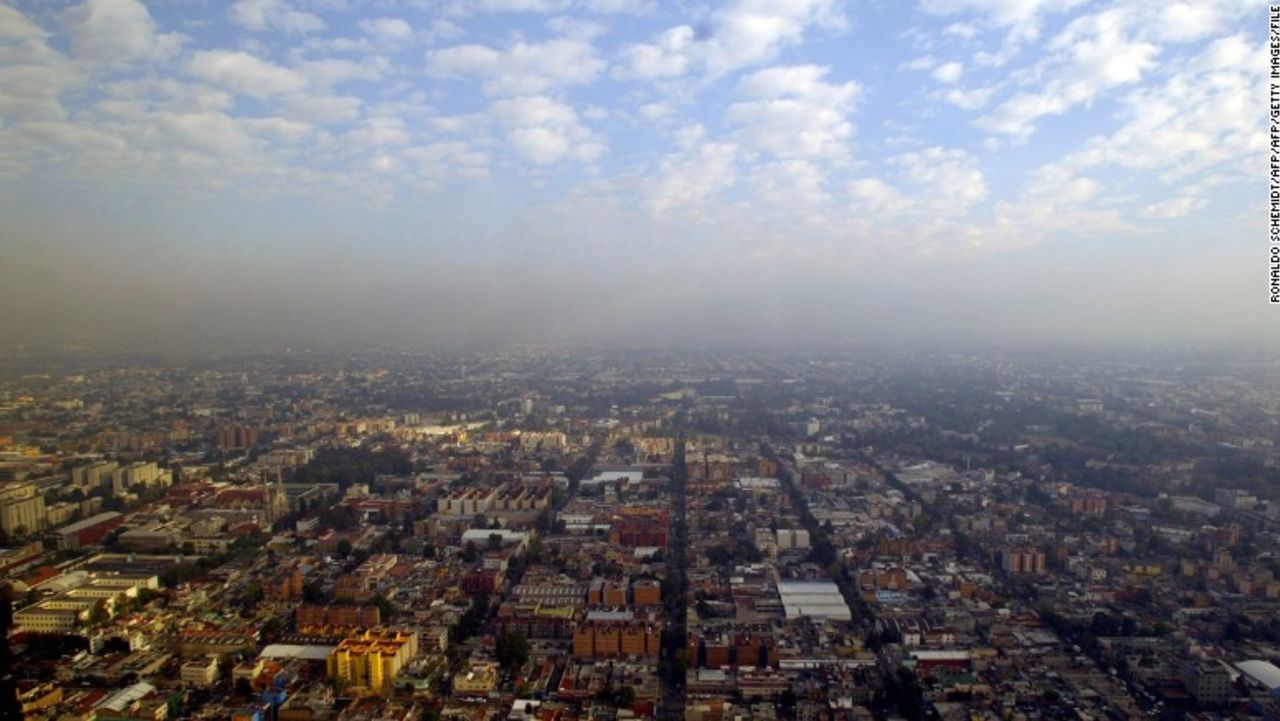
1201 118
434 162
948 72
116 31
792 112
620 7
246 74
1189 21
540 144
544 130
32 75
937 186
333 71
321 108
654 112
1023 15
1004 12
687 178
948 177
1173 208
1093 54
262 15
379 132
522 69
878 196
742 33
668 56
388 30
792 185
964 31
969 98
921 63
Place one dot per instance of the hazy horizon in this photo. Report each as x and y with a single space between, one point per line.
183 175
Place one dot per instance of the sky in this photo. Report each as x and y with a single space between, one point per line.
191 173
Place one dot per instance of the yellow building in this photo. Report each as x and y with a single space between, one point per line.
368 661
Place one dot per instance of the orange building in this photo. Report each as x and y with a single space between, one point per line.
617 639
345 616
647 592
286 589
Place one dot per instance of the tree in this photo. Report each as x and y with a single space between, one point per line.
343 548
313 592
511 650
495 541
272 628
385 607
626 697
244 689
99 613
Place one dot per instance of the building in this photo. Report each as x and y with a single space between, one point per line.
789 538
228 437
21 509
95 475
346 616
89 531
1263 673
616 634
478 680
366 662
153 537
80 597
646 592
1208 682
34 697
136 475
816 599
1235 499
1026 560
202 673
480 537
49 617
466 502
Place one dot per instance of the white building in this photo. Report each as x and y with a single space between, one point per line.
200 673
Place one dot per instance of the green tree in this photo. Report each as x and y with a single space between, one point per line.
385 607
511 650
244 689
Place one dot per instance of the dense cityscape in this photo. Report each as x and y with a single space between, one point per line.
584 534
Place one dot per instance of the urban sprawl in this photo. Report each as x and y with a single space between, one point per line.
546 535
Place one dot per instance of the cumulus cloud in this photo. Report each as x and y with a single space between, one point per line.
742 33
522 68
725 113
391 30
261 15
791 111
948 72
116 31
1091 55
687 178
246 74
544 130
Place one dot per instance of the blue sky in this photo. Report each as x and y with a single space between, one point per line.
962 145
